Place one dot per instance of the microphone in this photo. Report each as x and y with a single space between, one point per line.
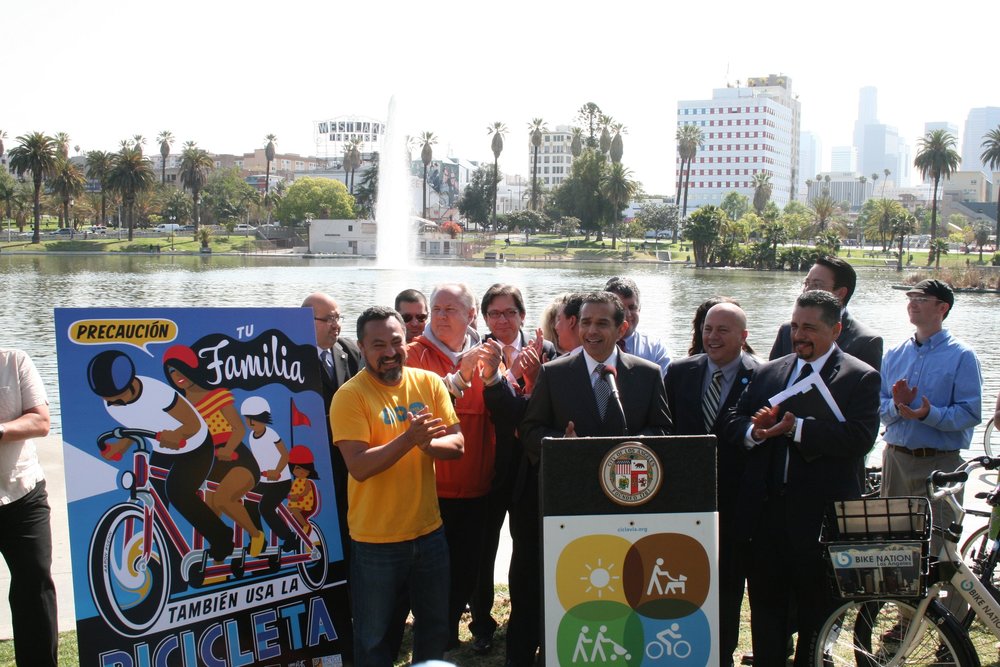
610 374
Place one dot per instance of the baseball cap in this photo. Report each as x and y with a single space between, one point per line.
935 288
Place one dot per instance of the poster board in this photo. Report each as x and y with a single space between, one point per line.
629 535
151 589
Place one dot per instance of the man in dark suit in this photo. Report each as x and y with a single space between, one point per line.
340 360
503 309
796 465
701 389
834 275
564 403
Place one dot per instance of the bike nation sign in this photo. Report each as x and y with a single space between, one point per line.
203 520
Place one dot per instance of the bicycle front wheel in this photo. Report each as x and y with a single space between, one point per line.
869 633
991 439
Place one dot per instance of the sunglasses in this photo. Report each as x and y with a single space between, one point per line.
408 317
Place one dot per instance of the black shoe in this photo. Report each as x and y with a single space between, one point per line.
482 645
747 659
220 552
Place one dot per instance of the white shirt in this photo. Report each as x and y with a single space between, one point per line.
265 450
21 389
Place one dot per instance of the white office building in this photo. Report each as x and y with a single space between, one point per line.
844 159
977 124
554 157
746 130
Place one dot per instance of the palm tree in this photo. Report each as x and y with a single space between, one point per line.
165 138
131 174
535 129
936 158
426 140
67 182
990 157
619 188
939 247
62 144
904 223
823 208
761 191
352 161
885 180
98 167
268 159
689 139
497 129
617 146
863 198
38 154
3 135
138 141
195 165
605 141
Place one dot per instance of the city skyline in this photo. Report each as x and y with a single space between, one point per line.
226 75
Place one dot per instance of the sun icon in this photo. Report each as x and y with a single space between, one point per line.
600 578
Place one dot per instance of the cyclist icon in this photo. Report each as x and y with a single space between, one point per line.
668 642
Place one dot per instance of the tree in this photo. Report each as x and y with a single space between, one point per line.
774 233
315 198
576 145
130 175
268 159
98 168
938 247
8 192
352 160
366 197
176 206
580 196
658 218
535 130
990 157
936 158
617 145
195 167
604 143
166 137
589 116
36 153
67 183
881 214
227 196
3 135
903 224
474 205
496 130
62 145
761 190
703 230
689 139
981 232
735 205
527 222
426 139
823 209
138 141
618 187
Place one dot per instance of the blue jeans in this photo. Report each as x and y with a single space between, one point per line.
378 573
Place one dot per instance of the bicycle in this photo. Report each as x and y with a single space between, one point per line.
131 569
895 616
991 438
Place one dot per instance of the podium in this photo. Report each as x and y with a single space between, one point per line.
629 550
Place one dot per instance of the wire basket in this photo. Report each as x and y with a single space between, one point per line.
878 547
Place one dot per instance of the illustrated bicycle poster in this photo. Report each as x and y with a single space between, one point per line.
203 520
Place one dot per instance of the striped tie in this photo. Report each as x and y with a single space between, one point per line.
710 406
602 390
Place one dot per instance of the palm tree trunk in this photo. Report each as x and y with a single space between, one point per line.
496 171
931 254
680 183
129 215
534 186
65 214
267 181
36 236
194 210
104 209
424 193
687 184
996 241
163 172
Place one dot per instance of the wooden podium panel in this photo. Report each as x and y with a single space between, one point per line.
629 551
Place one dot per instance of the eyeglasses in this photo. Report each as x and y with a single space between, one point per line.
814 284
921 299
330 319
409 317
505 314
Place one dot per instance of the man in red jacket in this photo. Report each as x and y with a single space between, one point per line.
453 349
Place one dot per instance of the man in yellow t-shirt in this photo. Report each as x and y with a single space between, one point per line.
390 423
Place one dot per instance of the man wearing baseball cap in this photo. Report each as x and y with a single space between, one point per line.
930 400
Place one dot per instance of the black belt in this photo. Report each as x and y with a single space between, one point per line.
920 453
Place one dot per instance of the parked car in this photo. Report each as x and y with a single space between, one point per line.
98 229
63 231
244 227
167 228
186 228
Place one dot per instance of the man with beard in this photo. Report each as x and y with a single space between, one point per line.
393 422
796 465
451 348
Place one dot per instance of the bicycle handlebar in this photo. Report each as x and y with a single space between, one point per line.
136 435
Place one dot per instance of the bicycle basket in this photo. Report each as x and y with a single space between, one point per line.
878 546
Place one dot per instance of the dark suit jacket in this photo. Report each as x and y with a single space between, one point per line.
506 410
684 382
855 339
346 363
827 465
563 393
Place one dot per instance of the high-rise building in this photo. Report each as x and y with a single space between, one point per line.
844 159
746 130
977 124
810 159
554 156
